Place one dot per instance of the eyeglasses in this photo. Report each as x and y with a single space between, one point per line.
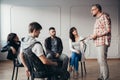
93 9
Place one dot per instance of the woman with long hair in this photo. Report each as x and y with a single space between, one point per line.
13 45
75 44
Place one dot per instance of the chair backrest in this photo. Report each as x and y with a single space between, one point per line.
83 49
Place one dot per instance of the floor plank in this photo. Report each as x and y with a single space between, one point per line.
91 66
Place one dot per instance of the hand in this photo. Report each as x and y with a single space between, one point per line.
55 63
57 55
27 72
93 36
13 50
77 51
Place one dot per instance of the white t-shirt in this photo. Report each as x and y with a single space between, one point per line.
38 49
75 46
28 41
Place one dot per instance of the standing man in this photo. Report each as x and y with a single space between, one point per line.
54 48
102 38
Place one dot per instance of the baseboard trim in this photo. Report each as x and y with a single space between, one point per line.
107 59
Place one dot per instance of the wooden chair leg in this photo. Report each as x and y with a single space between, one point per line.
84 67
28 78
81 69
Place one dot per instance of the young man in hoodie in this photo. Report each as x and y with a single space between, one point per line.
34 31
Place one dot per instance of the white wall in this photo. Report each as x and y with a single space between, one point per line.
0 20
62 14
119 27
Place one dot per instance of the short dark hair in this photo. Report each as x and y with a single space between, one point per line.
51 28
34 26
98 6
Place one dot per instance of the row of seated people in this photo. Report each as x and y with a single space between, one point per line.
54 48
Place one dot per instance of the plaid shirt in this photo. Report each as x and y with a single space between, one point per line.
101 26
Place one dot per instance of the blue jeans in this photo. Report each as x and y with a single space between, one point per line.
74 60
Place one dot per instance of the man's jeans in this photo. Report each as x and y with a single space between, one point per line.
102 60
64 58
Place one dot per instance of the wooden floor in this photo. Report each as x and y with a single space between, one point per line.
91 65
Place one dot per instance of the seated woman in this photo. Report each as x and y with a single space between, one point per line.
12 46
75 43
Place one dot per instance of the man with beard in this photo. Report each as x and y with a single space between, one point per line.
102 38
54 48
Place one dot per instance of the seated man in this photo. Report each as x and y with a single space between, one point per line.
54 47
37 49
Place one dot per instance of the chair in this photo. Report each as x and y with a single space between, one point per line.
82 61
36 67
34 74
16 66
16 63
83 68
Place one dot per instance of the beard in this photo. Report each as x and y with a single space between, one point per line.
54 35
36 36
94 15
